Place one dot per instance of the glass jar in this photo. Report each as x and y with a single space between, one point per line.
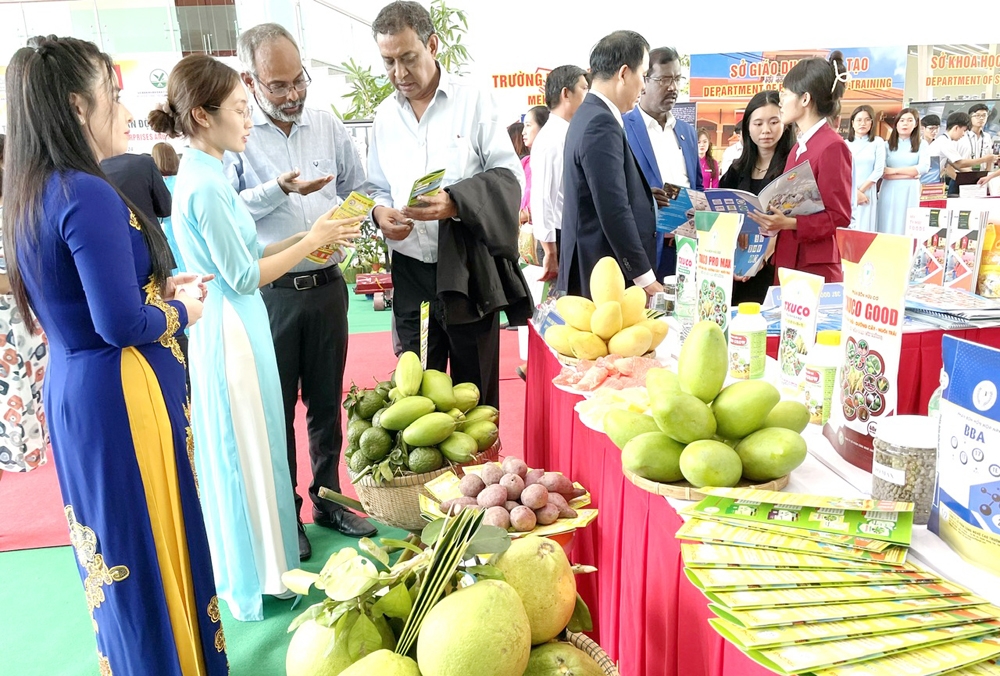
904 465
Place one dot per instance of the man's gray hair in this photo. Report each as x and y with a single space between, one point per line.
254 38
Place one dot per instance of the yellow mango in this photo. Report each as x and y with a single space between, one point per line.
588 346
607 281
557 337
631 342
660 382
576 310
633 306
658 328
606 320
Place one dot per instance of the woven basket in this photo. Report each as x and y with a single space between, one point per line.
396 503
588 646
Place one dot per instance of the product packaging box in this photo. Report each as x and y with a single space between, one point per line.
930 228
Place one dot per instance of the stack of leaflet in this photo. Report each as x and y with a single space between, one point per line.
820 586
950 308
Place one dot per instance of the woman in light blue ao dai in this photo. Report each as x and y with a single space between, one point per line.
868 155
908 158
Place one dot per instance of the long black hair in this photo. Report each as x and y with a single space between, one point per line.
45 137
744 165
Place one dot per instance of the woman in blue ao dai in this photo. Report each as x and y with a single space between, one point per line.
237 412
868 154
908 158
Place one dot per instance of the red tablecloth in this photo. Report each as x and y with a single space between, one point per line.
647 615
920 364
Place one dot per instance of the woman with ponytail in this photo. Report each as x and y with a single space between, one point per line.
811 93
96 274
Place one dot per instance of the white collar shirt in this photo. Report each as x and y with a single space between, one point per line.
808 134
459 132
973 146
667 150
318 145
614 109
547 154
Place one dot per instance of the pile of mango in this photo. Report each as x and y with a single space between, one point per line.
415 423
614 322
706 434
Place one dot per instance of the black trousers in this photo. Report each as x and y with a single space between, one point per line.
472 349
310 333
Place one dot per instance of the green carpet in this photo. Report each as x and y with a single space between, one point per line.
45 628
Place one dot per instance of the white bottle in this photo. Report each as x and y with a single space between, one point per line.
819 375
747 343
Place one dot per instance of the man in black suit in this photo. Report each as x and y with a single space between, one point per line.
140 180
607 208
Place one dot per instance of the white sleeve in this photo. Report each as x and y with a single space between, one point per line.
546 180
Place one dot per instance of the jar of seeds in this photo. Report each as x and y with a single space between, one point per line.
904 465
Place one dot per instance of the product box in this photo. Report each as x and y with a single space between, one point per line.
876 277
965 234
930 228
966 509
988 284
717 235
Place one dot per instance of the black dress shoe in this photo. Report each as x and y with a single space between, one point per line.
345 522
305 549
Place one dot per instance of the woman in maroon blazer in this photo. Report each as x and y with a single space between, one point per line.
811 94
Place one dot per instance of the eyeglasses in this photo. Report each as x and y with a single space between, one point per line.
981 114
282 89
679 80
247 112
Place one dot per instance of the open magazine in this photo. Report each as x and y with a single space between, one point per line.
794 193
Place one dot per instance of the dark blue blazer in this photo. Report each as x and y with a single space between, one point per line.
638 138
607 206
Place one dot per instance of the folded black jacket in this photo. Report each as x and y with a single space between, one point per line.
477 271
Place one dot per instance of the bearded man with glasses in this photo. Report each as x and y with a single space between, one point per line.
665 147
298 164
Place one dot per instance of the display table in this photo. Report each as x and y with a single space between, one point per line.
920 364
647 616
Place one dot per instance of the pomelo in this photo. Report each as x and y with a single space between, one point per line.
383 663
540 572
561 659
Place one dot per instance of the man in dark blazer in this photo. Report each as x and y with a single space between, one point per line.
665 148
140 180
607 207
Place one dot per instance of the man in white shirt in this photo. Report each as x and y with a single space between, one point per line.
948 148
432 122
976 143
733 151
298 164
565 89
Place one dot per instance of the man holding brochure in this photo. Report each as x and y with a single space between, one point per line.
298 164
607 208
454 250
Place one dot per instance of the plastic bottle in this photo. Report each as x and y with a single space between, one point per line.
934 405
747 343
820 373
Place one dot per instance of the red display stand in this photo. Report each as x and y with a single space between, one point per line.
647 615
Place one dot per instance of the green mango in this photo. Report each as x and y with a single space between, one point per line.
653 456
429 430
482 413
621 425
466 396
711 463
771 453
684 417
459 447
792 415
703 363
404 412
436 386
484 432
741 408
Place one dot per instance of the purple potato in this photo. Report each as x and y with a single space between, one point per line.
565 511
533 476
456 505
497 516
514 485
535 496
492 496
511 504
471 485
547 514
555 482
512 465
491 473
523 519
